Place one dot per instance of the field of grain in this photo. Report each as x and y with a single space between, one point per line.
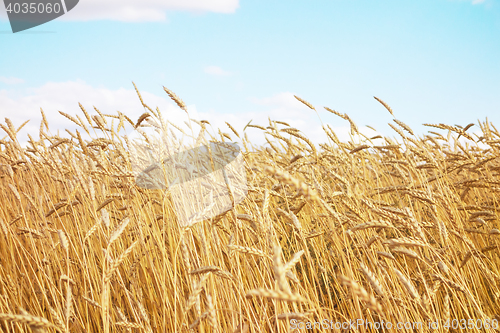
396 230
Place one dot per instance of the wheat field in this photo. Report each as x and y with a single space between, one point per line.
400 229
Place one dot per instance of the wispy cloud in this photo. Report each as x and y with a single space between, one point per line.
473 2
285 107
52 97
281 100
144 10
21 105
11 80
217 71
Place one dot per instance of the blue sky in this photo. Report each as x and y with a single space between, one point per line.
432 61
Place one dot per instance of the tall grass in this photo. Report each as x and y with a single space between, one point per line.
404 230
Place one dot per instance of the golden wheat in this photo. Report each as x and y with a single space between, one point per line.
409 226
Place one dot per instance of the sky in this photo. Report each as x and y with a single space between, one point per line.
432 61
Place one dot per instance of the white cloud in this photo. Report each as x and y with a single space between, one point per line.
285 107
474 2
20 106
11 80
281 100
52 97
217 71
144 10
